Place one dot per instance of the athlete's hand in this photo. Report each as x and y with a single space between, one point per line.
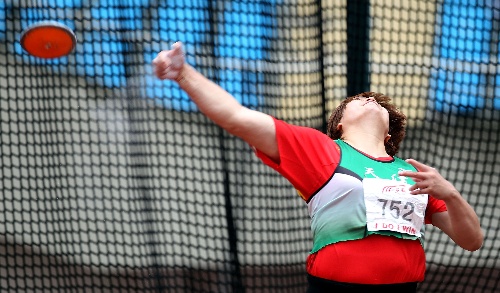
429 181
168 64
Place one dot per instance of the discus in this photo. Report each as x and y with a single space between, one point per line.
48 39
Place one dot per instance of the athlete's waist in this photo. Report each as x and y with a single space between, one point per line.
375 259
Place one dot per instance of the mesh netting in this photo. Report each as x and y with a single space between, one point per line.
112 181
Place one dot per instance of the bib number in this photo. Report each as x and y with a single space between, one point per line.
391 207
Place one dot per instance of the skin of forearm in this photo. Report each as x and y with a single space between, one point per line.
223 109
465 223
212 100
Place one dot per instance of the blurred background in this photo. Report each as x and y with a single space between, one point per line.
112 181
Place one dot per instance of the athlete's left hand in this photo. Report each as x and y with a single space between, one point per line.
429 181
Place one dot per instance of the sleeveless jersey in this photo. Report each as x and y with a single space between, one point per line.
338 211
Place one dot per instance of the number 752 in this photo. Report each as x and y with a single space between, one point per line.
397 210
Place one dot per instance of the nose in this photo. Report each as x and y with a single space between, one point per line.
371 99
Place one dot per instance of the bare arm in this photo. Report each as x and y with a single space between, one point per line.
218 105
460 222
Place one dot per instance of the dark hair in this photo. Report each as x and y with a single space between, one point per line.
397 120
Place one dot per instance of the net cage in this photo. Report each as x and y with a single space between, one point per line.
112 180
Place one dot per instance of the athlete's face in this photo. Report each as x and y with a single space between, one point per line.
362 107
365 112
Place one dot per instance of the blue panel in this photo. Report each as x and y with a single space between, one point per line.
466 31
103 59
188 24
496 96
243 86
246 31
465 36
104 48
3 13
118 3
30 16
458 92
68 3
118 17
131 18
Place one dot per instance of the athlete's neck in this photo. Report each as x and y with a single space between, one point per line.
367 144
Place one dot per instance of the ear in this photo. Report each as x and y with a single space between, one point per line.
387 138
339 126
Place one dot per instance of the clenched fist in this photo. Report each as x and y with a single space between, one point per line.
169 63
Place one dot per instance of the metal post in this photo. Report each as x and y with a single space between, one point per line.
358 32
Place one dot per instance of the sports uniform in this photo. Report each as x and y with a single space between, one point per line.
366 229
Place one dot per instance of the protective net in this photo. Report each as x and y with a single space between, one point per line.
112 181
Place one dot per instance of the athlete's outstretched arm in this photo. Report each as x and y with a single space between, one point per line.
256 128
